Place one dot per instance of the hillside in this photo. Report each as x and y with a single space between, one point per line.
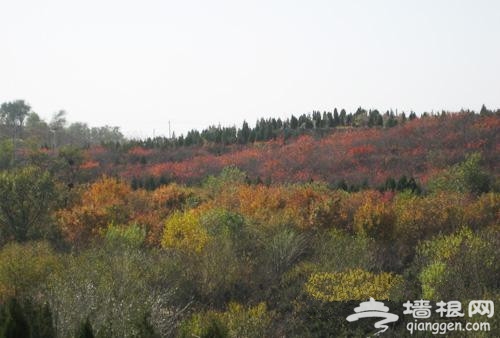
419 148
279 237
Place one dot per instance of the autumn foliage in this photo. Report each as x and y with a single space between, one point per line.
256 239
418 148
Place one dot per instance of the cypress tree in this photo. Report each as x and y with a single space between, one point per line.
13 323
402 183
145 328
294 123
85 330
390 184
42 324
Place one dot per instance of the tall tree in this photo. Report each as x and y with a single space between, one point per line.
14 114
57 125
485 111
13 322
27 196
294 123
85 330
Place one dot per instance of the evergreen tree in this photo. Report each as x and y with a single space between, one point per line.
349 119
374 118
390 120
329 120
150 183
13 323
145 328
40 318
342 185
336 118
135 183
253 136
413 186
85 330
403 117
402 183
390 184
485 111
294 123
163 180
244 133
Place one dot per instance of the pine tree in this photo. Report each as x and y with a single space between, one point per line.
244 133
402 183
85 330
145 328
135 183
390 184
13 323
413 186
150 183
342 185
485 111
403 117
41 322
294 123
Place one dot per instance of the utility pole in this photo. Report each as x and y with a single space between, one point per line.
14 144
53 130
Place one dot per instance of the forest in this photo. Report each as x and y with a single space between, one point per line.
274 230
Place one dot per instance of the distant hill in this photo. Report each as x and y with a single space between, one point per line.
340 155
345 150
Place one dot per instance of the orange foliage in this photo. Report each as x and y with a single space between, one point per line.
104 202
89 165
375 217
140 151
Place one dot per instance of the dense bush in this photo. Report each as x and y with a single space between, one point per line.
285 241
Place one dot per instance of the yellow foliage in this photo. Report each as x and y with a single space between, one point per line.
355 284
453 262
430 276
445 247
246 322
184 232
484 211
25 267
375 218
420 218
237 322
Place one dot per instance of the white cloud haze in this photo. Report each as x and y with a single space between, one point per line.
139 64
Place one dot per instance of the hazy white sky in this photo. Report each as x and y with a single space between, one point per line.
139 64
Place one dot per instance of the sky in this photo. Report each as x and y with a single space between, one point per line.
140 64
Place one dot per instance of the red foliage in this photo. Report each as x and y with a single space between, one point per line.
140 151
89 165
361 150
415 148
